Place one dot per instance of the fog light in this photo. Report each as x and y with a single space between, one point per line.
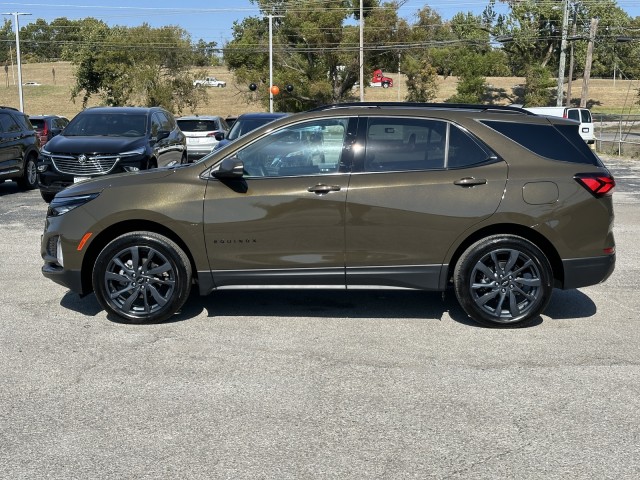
42 168
132 169
59 256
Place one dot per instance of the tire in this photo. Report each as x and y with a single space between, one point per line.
29 179
163 267
385 85
47 196
503 281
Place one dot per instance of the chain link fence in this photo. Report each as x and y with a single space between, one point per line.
617 134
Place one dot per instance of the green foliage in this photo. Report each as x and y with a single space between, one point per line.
422 79
142 66
314 49
537 91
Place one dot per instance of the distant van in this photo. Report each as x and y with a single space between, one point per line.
582 115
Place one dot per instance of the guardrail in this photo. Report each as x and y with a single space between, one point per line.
617 134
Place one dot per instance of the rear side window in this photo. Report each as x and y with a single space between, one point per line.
557 142
403 144
586 116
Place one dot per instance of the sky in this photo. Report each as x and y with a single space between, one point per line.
209 20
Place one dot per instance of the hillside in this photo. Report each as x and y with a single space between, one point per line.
54 97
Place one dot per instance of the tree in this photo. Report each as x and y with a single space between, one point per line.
141 65
422 79
315 50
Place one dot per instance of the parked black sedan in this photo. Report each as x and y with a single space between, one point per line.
106 140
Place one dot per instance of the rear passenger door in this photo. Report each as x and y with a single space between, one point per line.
10 146
420 184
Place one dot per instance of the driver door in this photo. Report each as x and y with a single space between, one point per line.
283 221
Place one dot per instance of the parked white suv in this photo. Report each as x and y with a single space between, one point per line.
582 115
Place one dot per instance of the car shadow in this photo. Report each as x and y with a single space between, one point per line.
9 188
360 304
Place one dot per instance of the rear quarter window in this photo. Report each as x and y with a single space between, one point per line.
557 142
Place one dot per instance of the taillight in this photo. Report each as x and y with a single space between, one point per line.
212 134
598 184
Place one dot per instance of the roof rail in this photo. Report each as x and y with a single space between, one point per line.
434 106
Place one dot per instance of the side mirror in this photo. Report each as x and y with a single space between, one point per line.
219 136
231 167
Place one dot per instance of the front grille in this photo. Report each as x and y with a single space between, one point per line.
84 165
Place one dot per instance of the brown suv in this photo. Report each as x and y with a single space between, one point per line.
499 203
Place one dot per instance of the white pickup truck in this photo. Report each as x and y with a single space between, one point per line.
209 82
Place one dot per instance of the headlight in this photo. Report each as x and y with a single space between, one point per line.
132 153
60 206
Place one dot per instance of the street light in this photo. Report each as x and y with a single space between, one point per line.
271 17
16 23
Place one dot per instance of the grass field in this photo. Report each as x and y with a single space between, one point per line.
54 97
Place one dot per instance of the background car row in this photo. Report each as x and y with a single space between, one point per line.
50 152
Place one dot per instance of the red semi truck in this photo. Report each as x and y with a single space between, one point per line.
379 80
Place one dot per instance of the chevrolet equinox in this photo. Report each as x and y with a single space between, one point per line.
497 203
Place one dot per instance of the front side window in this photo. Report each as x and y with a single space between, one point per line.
310 148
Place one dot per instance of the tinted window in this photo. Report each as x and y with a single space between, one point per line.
547 141
310 148
586 116
573 114
37 123
8 123
198 125
464 151
60 122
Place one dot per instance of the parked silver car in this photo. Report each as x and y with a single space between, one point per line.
201 133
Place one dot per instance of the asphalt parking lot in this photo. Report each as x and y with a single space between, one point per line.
317 384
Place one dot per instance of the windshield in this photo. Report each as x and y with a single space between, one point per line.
107 124
242 126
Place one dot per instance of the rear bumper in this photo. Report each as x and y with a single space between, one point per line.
582 272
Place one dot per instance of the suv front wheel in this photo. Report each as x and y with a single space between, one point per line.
503 280
142 277
29 179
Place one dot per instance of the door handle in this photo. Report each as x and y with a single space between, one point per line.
323 189
470 182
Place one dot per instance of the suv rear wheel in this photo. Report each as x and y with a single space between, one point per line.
142 277
503 280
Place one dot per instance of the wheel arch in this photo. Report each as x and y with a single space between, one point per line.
512 229
114 231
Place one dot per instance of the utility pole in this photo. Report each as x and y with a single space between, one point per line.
17 26
361 52
573 36
588 62
563 53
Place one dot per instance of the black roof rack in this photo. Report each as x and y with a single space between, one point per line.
435 106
